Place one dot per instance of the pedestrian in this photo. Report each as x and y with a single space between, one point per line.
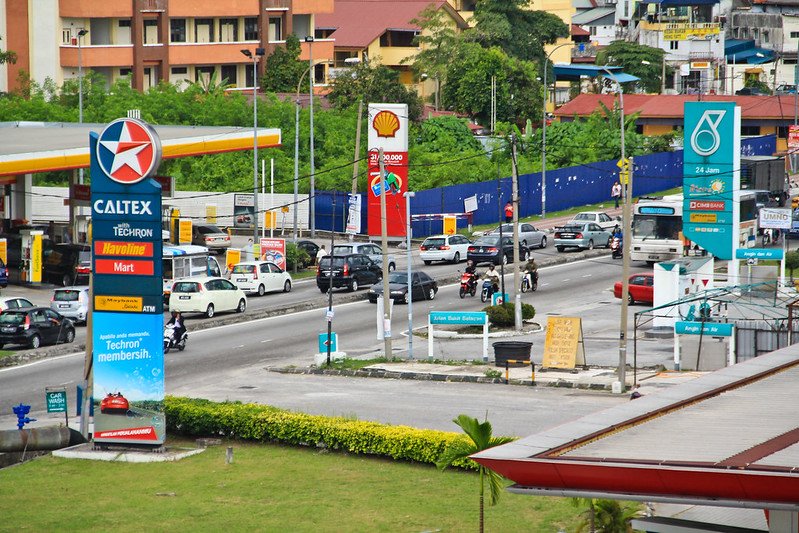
636 392
509 212
615 193
321 253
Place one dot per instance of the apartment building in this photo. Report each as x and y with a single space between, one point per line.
153 40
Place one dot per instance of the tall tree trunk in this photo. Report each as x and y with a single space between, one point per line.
482 498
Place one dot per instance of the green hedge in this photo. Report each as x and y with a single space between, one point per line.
504 315
204 418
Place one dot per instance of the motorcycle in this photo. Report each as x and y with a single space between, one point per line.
616 248
529 284
468 284
171 342
488 290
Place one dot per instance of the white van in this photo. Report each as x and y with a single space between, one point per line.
185 261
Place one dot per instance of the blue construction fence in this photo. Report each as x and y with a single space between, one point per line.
566 187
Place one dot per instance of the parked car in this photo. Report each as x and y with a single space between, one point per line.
62 263
370 250
206 295
72 302
641 288
211 237
451 248
785 88
752 91
260 277
487 249
351 271
581 236
423 287
34 326
528 235
603 220
14 302
310 248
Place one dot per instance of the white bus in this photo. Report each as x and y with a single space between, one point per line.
657 228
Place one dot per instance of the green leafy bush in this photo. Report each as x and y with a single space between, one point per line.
200 418
503 315
296 255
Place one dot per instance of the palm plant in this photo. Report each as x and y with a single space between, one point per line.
606 516
480 438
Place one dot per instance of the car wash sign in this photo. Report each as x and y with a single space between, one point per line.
711 172
388 129
128 354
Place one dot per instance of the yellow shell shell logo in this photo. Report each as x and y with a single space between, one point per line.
386 124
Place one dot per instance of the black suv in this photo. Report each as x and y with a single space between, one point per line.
351 271
67 264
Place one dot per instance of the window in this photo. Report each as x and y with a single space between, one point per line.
251 29
750 130
795 35
397 38
275 29
66 36
124 23
180 70
765 36
229 74
203 74
744 33
755 33
674 45
203 30
125 72
782 132
228 30
150 31
177 30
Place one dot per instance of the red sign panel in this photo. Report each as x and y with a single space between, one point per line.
793 137
124 248
140 433
274 250
706 205
129 267
396 167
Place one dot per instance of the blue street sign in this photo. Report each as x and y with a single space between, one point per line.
712 329
323 342
458 317
758 253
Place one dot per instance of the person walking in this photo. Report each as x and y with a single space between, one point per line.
509 212
321 253
615 193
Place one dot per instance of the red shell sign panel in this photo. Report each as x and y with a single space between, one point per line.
388 129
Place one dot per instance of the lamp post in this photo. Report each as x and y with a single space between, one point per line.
309 39
254 57
297 154
544 136
625 244
81 32
408 195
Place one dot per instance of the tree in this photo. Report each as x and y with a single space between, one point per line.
283 68
605 516
436 42
520 32
7 56
480 439
373 84
792 262
631 56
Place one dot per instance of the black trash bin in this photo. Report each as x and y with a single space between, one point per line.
511 350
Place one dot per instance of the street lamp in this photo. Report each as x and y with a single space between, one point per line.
309 39
544 136
81 33
254 57
625 243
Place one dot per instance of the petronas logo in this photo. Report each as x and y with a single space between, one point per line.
705 139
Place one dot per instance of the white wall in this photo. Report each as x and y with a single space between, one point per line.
45 38
4 46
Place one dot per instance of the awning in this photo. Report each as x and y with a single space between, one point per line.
575 72
621 77
752 56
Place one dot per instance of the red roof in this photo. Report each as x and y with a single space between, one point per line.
578 31
358 23
671 106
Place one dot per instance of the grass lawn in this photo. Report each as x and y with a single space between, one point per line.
267 488
6 353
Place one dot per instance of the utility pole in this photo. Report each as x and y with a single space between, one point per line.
627 189
384 242
515 194
357 154
663 76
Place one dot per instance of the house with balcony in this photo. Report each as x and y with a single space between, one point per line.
381 31
153 40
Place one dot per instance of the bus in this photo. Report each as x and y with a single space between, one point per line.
185 261
657 229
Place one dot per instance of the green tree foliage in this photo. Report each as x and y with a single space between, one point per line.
376 83
436 42
284 68
480 438
468 87
7 56
519 31
792 262
631 57
605 516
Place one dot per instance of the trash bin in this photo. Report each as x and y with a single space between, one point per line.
511 350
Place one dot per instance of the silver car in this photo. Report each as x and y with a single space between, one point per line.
528 235
71 302
581 236
603 220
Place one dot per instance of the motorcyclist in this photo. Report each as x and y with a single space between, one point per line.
617 234
531 269
493 275
179 325
470 268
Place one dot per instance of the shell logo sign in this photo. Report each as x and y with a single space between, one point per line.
386 124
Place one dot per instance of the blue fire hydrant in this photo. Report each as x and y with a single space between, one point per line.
22 411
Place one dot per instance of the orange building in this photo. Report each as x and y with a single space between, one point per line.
152 40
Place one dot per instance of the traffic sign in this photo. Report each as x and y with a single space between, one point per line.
56 400
624 177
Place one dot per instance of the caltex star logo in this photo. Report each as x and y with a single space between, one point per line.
128 151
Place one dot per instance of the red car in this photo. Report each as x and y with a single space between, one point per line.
641 288
114 402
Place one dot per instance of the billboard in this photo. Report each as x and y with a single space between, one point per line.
711 176
388 129
243 210
128 357
274 250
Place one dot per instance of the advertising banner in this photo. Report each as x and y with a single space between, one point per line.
36 257
184 231
232 257
210 213
793 138
353 214
774 218
711 172
274 250
388 129
243 210
128 358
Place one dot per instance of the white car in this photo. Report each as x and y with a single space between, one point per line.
260 277
14 302
605 221
206 295
373 251
451 248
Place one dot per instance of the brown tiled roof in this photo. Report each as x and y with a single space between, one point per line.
577 30
671 106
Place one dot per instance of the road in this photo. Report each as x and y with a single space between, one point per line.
220 362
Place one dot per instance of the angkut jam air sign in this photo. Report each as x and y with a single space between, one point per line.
128 355
388 129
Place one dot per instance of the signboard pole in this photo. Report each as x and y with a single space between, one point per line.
782 261
384 242
430 339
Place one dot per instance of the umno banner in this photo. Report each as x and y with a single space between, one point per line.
388 129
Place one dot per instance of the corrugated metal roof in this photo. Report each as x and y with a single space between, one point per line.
592 14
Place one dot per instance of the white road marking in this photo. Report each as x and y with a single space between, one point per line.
566 279
266 340
587 276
